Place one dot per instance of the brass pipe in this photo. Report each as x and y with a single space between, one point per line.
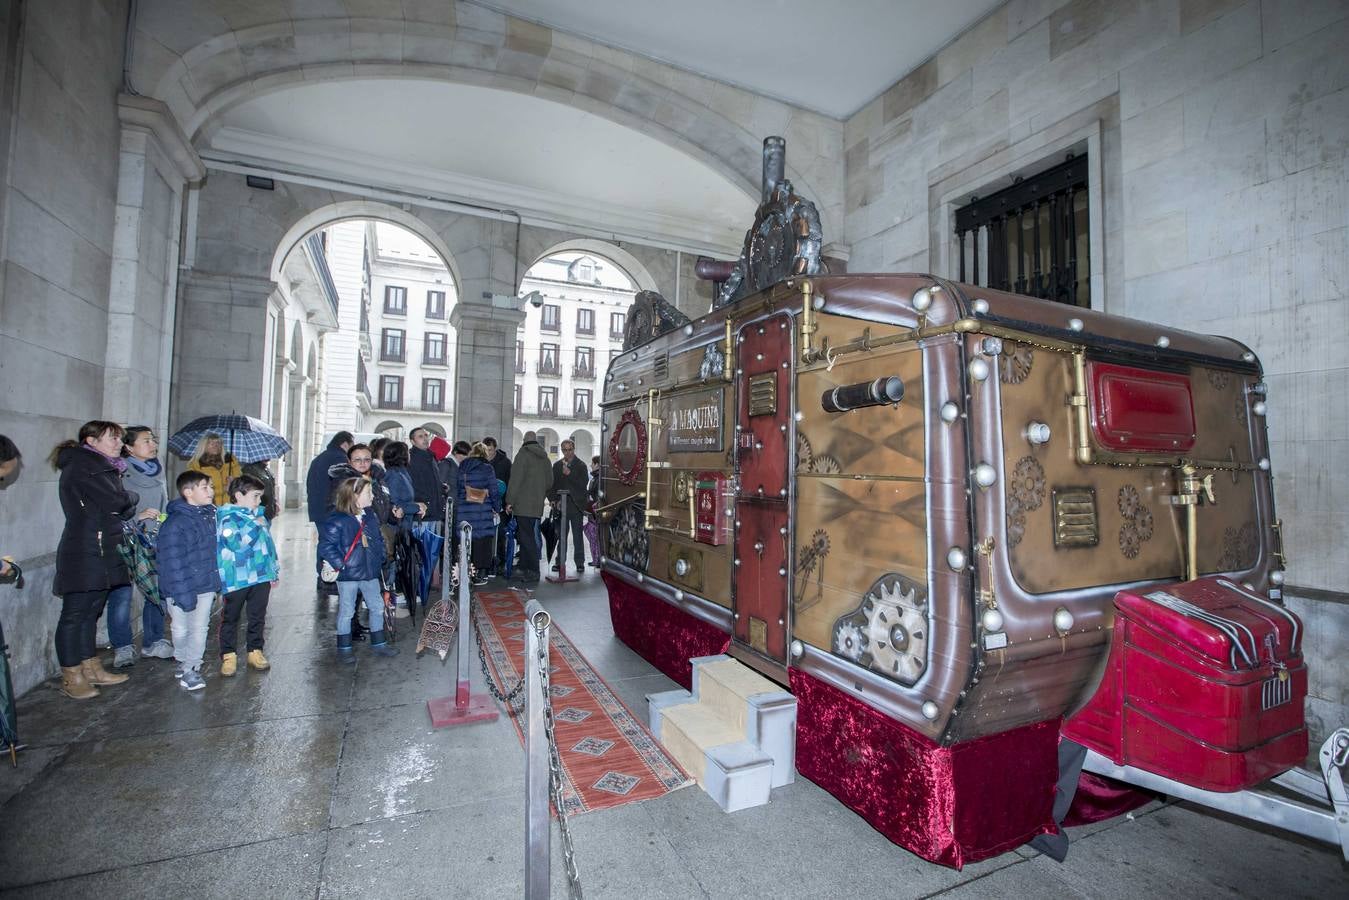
651 424
693 516
728 370
599 510
1078 400
1192 541
808 323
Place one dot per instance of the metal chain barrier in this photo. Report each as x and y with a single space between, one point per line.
555 780
515 697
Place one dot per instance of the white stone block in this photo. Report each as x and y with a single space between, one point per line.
738 776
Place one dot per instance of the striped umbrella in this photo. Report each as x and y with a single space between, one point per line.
247 438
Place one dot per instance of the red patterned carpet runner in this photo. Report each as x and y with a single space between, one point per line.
608 756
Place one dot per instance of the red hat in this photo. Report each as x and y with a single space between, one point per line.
439 447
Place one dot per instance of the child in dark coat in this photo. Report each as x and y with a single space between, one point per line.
188 576
350 542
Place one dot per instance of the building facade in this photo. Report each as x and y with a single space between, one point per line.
564 347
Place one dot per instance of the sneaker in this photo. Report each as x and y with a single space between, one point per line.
229 664
257 661
123 657
479 581
160 649
191 680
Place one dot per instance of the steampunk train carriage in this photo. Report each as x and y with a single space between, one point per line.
915 502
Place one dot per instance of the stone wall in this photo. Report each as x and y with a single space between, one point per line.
56 263
1219 131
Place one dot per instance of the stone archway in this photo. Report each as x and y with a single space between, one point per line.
620 257
587 444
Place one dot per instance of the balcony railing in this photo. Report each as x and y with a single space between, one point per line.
519 366
552 369
390 404
386 355
585 330
582 371
434 360
551 327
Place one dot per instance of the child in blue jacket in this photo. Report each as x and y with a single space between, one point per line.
188 576
248 566
351 543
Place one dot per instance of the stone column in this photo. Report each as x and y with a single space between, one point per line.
484 399
156 164
221 352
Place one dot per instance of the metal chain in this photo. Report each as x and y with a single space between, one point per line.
515 698
514 701
555 782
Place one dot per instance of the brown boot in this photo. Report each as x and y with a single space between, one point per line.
94 672
74 685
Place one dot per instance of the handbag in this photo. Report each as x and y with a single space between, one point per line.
327 572
475 494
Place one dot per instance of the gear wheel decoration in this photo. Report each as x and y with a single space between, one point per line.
810 560
805 454
1219 379
629 543
1138 523
1015 363
1240 546
888 632
1028 484
825 464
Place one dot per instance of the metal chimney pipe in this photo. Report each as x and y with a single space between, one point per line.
774 164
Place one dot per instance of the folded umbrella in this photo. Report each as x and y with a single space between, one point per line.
246 438
430 547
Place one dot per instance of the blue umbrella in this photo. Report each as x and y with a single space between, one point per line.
431 544
247 438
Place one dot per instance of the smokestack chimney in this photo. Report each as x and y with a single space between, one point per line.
774 164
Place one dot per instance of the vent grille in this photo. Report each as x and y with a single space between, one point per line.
763 394
661 367
1075 522
1276 691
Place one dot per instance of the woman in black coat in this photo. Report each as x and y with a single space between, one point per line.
87 562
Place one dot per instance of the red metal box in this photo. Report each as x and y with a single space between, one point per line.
1204 684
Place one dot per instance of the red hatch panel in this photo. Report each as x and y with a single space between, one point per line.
1139 410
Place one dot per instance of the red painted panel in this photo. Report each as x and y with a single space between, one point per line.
1140 410
761 586
761 444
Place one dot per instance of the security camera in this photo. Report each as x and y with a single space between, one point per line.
535 299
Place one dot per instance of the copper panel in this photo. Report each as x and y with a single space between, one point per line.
1141 535
850 534
690 562
878 440
758 635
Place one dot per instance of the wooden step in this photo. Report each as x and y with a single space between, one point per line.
689 730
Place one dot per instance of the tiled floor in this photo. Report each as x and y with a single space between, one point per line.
319 780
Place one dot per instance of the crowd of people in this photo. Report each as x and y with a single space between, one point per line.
213 548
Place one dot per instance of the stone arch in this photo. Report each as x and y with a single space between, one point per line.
518 437
720 131
389 428
587 443
434 427
549 439
344 210
612 252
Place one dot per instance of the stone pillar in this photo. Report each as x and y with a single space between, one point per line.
221 352
484 398
156 164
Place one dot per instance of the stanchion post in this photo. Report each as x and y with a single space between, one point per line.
564 529
538 838
463 708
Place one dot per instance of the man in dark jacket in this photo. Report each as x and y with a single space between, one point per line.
531 478
426 479
571 477
316 482
318 494
501 465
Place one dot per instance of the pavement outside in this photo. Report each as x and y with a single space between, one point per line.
321 780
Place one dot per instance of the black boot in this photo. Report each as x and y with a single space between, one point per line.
358 631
